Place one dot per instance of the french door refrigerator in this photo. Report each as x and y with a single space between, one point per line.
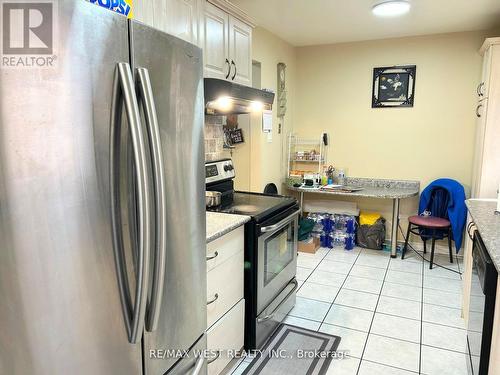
102 216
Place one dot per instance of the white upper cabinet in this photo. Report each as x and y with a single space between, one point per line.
486 173
227 46
240 51
183 19
216 42
220 30
483 87
180 18
143 11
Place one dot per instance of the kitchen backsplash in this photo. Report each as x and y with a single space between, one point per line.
214 137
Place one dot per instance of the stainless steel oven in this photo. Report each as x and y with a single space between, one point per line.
276 270
277 258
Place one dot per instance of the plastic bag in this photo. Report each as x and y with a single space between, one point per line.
372 236
306 226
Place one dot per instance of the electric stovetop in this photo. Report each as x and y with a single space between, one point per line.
258 206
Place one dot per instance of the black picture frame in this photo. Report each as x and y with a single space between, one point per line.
236 136
394 86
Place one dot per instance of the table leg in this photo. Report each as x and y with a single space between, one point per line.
394 232
301 202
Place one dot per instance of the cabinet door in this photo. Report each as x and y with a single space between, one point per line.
143 11
182 19
227 334
490 172
215 42
240 51
477 172
467 272
483 88
224 287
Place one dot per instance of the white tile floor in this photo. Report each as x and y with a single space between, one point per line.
394 316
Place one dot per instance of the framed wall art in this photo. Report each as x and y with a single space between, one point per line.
394 86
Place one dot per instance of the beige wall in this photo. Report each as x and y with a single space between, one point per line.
433 139
265 158
329 89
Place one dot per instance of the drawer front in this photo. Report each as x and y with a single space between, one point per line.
223 248
224 287
226 334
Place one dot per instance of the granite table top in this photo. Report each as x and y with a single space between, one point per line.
372 188
219 224
488 225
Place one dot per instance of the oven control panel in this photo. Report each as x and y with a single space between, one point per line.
219 170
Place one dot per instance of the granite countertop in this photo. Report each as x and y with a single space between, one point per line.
372 188
218 224
488 225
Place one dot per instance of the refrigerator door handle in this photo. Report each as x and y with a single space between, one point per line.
198 366
146 98
124 94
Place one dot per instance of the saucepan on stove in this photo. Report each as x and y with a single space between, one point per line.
213 198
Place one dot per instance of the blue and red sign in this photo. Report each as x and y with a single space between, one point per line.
119 6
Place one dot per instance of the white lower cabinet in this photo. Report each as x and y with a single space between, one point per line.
226 335
223 248
224 287
225 305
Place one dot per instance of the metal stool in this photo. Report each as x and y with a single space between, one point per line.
439 228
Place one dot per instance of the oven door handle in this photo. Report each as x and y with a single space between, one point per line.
295 287
278 225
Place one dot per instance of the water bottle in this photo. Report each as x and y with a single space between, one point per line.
350 225
341 177
349 242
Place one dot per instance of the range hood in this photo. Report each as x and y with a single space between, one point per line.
224 98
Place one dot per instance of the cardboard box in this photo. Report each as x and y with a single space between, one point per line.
310 245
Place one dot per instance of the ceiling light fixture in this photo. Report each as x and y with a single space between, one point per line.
391 8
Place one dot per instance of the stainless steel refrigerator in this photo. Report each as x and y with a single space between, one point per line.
102 216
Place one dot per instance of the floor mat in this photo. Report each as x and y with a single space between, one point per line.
295 351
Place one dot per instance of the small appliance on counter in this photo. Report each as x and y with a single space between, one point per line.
312 180
270 251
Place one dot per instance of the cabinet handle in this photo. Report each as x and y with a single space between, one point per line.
211 360
228 69
210 257
235 70
295 287
216 297
477 110
471 226
479 89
